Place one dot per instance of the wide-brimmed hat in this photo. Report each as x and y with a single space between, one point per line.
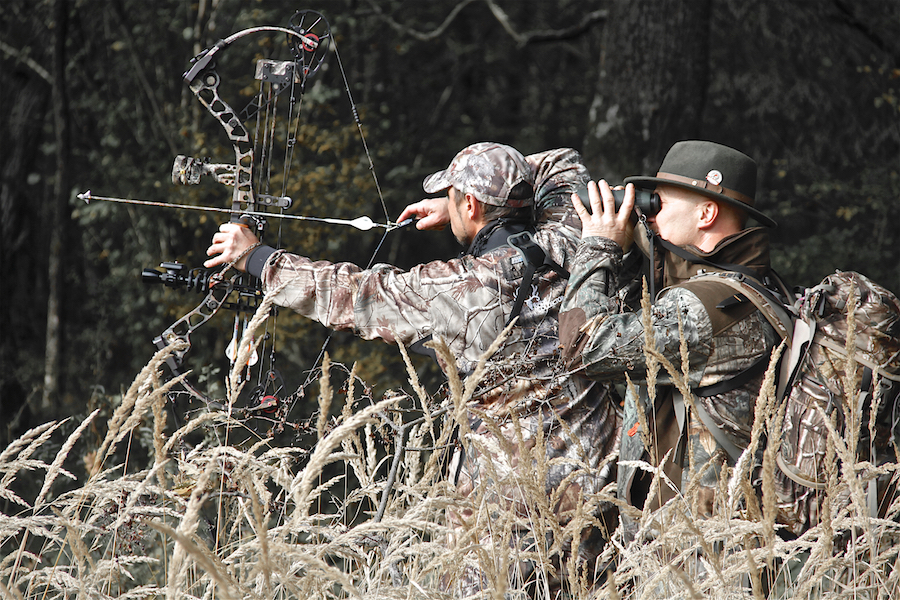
487 170
710 169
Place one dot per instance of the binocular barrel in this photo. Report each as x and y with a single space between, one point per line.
648 202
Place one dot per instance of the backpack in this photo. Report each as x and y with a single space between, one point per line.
817 366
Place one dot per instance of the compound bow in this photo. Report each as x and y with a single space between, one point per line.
309 40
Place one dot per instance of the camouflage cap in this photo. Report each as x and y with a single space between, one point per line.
487 170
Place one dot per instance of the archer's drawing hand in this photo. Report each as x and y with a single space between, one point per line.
231 240
432 213
604 221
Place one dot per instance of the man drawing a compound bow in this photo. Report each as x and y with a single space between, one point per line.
706 193
521 240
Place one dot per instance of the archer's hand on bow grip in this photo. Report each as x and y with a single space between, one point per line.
228 244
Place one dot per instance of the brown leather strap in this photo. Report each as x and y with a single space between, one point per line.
702 183
711 293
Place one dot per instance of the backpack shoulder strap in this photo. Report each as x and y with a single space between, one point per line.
739 290
535 259
733 451
728 298
724 305
744 289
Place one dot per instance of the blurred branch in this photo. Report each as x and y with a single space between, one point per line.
521 39
547 35
26 60
421 36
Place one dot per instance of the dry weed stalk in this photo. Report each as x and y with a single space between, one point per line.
240 522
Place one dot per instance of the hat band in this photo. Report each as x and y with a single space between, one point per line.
702 183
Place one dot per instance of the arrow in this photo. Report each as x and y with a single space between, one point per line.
362 223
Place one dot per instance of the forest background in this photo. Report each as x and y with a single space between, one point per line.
92 98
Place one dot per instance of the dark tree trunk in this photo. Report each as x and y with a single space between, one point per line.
58 209
652 85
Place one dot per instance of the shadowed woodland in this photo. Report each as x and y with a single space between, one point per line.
93 99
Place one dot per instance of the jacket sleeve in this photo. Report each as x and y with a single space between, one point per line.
607 341
459 300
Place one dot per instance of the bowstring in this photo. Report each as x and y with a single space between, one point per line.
267 126
344 79
312 371
265 139
365 145
265 134
387 218
264 144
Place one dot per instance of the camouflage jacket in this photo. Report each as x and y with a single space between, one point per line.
466 301
606 341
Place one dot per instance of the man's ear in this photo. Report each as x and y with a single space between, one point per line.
473 207
708 213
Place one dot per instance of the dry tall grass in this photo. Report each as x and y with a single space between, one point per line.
213 520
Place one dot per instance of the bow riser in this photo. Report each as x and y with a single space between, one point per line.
206 87
179 333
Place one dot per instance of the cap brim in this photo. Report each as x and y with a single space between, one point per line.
437 182
652 182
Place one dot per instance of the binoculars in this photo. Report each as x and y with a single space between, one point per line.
647 202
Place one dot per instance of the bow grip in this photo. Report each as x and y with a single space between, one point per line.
256 223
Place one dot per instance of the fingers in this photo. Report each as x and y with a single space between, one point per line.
624 213
431 213
580 209
234 228
604 220
419 209
213 262
228 243
599 197
430 222
624 223
410 211
604 197
217 251
593 198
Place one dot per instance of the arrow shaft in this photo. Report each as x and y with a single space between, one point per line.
358 223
